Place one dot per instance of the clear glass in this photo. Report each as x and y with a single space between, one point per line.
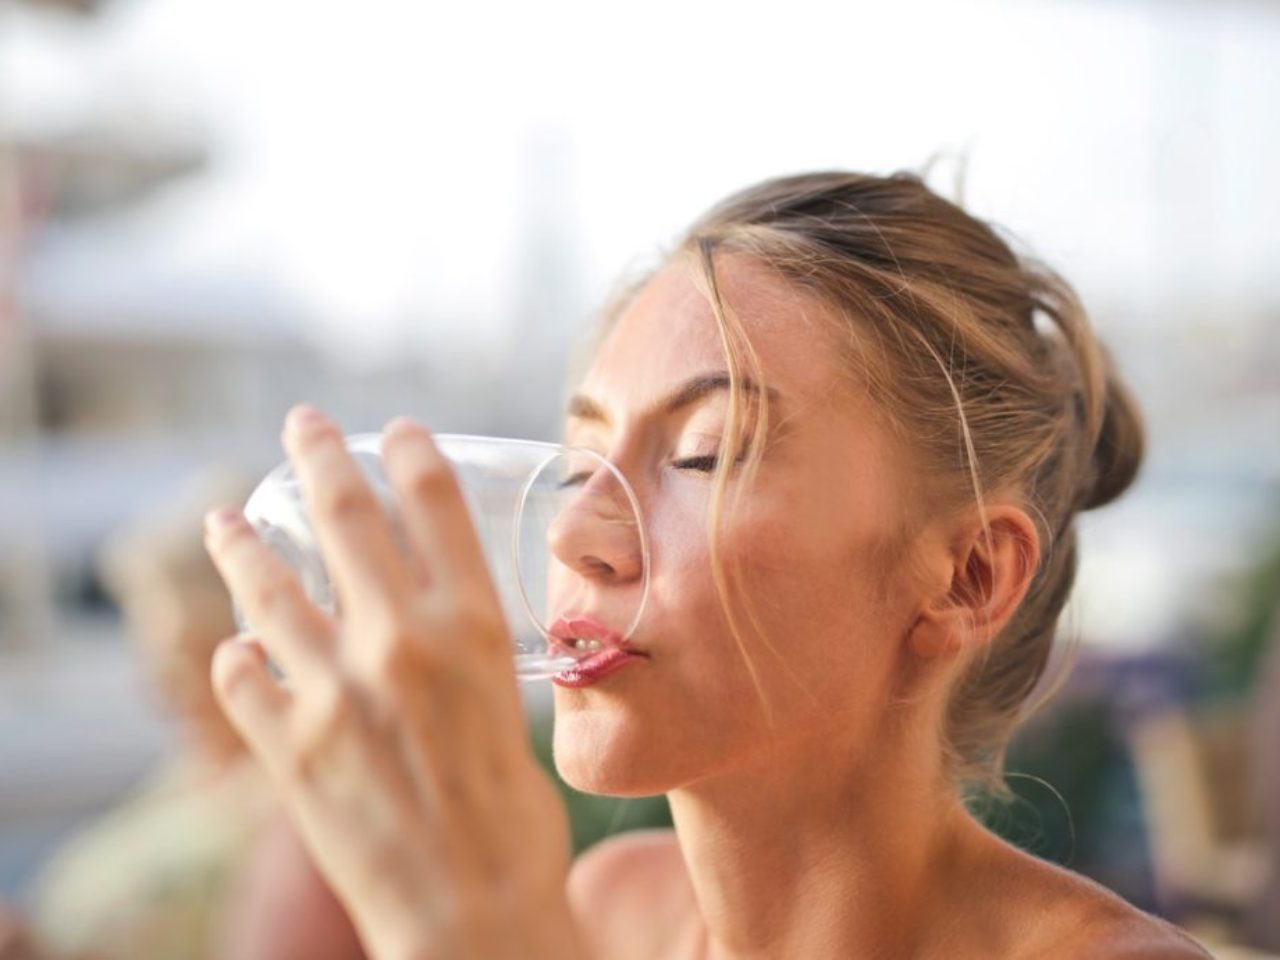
558 525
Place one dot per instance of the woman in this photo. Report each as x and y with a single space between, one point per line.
860 430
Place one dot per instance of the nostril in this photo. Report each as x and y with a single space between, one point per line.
594 544
594 565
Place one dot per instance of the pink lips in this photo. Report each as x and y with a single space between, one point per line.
613 653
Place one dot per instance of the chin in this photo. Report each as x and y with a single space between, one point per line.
605 752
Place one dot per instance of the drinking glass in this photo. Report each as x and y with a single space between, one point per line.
560 528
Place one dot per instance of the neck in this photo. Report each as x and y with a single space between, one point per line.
796 858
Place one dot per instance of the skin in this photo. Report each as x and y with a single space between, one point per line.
876 615
400 752
279 880
175 626
813 814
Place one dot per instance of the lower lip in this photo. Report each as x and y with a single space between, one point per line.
593 669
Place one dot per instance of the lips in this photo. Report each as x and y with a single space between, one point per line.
598 649
582 636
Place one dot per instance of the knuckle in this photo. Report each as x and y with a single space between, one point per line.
432 479
406 656
456 790
274 594
345 502
469 613
322 719
232 670
461 605
394 659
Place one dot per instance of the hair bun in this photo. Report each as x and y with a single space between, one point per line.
1120 447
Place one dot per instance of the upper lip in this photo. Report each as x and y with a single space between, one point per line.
570 627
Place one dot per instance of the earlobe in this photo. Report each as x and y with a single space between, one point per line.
934 635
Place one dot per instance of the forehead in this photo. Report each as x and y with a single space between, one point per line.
668 333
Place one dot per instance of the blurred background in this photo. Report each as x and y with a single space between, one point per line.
210 211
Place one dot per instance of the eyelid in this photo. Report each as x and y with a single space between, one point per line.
707 462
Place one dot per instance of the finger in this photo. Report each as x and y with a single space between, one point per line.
355 536
299 636
436 519
255 704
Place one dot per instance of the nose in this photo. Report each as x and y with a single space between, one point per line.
597 533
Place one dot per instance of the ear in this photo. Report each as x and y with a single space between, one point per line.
983 576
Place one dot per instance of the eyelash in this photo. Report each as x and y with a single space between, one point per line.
703 464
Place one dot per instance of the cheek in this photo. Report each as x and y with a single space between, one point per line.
803 577
816 588
819 664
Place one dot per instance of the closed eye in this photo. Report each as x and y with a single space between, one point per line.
703 464
574 479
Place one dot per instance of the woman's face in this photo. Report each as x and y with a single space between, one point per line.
818 538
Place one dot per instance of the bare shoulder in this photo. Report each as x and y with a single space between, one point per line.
635 869
631 895
1117 930
1079 919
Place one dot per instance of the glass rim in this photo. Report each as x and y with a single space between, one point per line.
632 501
360 442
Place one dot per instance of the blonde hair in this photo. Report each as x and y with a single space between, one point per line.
983 361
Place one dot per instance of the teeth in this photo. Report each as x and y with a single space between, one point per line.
586 644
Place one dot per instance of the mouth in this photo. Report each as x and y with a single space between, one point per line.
580 637
598 650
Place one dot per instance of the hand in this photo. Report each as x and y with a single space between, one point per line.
398 741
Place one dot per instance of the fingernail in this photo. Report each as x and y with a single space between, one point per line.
304 417
222 519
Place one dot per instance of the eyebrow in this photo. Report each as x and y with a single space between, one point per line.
692 390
